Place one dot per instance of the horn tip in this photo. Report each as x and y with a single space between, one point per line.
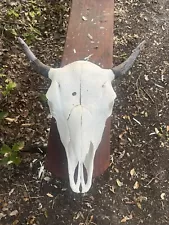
21 41
142 44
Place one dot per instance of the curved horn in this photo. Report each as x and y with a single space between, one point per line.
124 67
36 63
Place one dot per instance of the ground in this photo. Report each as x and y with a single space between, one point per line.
134 189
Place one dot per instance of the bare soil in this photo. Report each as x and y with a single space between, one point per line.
134 190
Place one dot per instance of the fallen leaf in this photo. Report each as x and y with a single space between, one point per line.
14 213
136 185
49 195
167 128
156 131
78 215
132 172
2 215
146 77
90 36
88 205
11 191
119 183
4 209
26 199
47 179
112 189
11 119
141 198
139 205
15 222
46 214
84 18
126 218
32 220
41 171
162 196
117 171
121 135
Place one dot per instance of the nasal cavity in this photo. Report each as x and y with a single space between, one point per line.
84 173
76 173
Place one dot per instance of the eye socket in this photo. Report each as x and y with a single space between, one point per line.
74 93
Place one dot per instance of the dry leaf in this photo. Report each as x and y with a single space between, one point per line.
10 119
132 172
117 171
136 185
46 214
32 220
90 36
167 128
139 205
2 215
49 195
162 196
4 209
119 183
156 131
26 199
84 18
11 191
141 198
14 213
15 222
88 205
112 189
78 215
121 135
124 220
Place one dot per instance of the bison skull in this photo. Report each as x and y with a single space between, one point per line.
81 99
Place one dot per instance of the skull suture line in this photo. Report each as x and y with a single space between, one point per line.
81 99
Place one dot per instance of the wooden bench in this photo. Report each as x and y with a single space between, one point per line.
89 37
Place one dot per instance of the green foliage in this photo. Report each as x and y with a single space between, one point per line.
42 98
10 85
11 155
2 75
13 12
3 115
23 19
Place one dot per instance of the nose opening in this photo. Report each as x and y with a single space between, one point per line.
76 173
83 175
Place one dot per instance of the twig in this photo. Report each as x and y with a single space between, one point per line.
37 197
153 179
27 191
11 22
148 95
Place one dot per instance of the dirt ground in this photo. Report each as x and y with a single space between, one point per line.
134 190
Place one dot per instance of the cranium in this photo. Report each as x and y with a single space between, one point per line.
81 99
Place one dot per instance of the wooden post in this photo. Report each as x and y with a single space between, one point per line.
89 36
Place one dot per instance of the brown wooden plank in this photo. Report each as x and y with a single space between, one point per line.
99 25
92 37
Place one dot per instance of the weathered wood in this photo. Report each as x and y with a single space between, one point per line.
89 36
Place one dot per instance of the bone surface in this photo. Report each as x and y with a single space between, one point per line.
81 99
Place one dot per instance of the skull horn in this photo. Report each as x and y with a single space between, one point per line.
124 67
36 63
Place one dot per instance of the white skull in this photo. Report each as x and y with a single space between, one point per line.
81 99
